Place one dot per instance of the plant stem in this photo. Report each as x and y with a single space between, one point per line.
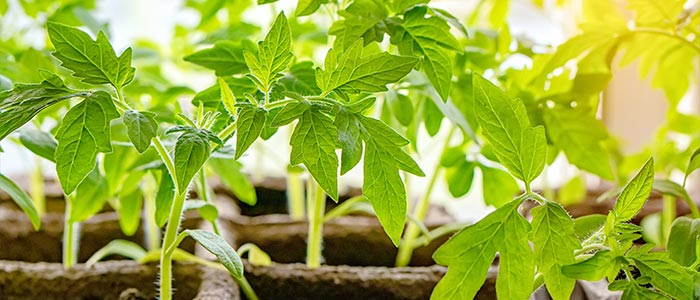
247 289
681 39
316 206
171 230
152 229
227 131
668 214
71 232
403 257
295 194
205 192
37 192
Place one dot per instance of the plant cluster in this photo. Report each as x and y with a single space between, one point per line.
114 128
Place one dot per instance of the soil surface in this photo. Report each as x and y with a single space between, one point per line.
20 242
118 280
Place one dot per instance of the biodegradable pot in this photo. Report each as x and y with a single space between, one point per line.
119 280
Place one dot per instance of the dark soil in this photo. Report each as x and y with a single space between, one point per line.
109 280
19 241
295 281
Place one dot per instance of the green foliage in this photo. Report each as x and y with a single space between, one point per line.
218 246
683 241
250 125
505 124
22 199
93 61
635 193
229 171
191 152
142 127
225 58
273 55
83 132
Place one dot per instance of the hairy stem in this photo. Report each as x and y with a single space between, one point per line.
171 229
316 206
403 257
295 194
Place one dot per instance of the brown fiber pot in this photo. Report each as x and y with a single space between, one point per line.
118 280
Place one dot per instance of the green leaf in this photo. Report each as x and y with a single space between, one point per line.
632 291
581 136
90 196
227 97
229 171
555 242
460 177
222 250
141 127
573 191
307 7
83 132
362 20
164 198
595 268
432 117
256 256
470 252
225 58
93 61
666 275
505 124
693 164
588 224
192 150
313 144
39 142
124 248
355 72
250 124
430 38
129 210
22 199
683 240
301 79
635 193
349 138
273 57
19 105
498 187
401 107
289 113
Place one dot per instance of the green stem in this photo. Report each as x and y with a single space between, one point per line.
227 131
295 194
71 232
205 192
247 289
405 252
280 103
667 216
171 229
165 157
316 205
38 185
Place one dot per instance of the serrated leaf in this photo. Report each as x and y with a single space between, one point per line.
505 124
580 135
250 123
164 198
635 193
555 242
19 105
222 250
22 199
401 107
665 274
274 55
693 164
498 187
229 171
430 38
683 239
83 132
349 139
301 79
362 20
470 252
594 268
39 142
93 61
227 97
632 291
354 73
141 128
192 150
313 144
225 58
289 113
